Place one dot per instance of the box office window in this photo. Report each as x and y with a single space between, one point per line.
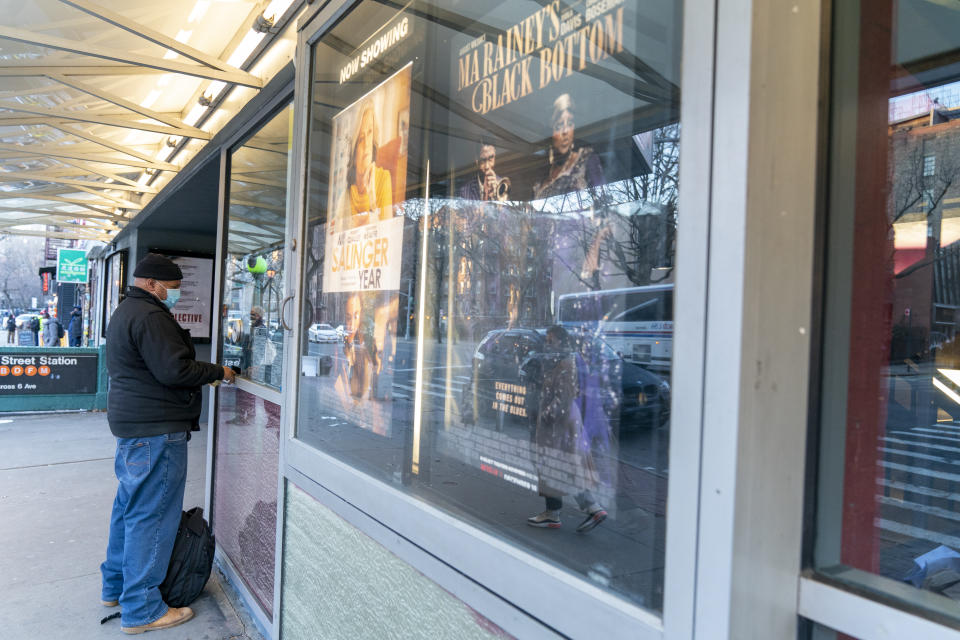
253 286
491 228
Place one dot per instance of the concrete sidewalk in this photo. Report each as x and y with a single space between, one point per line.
56 490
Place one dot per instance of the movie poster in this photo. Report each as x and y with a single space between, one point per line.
364 246
193 310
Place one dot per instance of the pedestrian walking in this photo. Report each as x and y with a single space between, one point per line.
10 324
565 463
52 330
153 405
75 327
32 326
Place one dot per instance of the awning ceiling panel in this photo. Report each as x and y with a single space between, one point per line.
98 98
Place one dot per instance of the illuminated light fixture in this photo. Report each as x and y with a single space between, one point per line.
953 375
194 114
199 10
418 375
182 36
953 396
245 48
150 99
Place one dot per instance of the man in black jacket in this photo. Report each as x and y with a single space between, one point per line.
153 404
75 327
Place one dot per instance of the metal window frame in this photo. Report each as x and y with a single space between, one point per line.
863 617
462 559
769 68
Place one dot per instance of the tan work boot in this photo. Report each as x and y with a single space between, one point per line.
171 618
109 603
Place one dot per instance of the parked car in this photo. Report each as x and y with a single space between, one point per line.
512 360
322 332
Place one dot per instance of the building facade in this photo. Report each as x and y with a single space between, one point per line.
551 326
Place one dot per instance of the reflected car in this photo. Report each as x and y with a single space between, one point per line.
23 318
507 372
495 367
645 400
322 332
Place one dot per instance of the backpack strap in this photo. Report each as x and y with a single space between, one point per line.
110 617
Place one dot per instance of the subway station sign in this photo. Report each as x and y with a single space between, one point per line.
47 373
71 265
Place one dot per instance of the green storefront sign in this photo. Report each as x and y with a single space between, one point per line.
71 265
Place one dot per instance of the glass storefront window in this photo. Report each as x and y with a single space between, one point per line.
247 438
254 270
115 286
888 518
491 226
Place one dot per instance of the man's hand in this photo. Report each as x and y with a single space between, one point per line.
490 185
228 375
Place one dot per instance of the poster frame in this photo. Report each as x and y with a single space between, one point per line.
201 255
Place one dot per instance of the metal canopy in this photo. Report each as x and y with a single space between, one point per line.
101 102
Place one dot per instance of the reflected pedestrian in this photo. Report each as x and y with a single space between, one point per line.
32 326
75 327
246 407
564 461
52 330
10 324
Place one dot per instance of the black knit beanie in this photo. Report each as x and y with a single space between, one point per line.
157 267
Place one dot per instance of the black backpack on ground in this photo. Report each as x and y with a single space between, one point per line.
191 560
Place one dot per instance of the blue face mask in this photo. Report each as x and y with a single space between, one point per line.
172 296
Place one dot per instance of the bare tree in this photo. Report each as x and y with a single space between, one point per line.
914 184
20 261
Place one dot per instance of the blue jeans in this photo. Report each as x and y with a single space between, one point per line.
143 526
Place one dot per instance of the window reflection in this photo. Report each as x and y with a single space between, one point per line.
891 427
254 269
489 271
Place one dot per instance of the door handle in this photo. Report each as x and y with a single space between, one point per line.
283 313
